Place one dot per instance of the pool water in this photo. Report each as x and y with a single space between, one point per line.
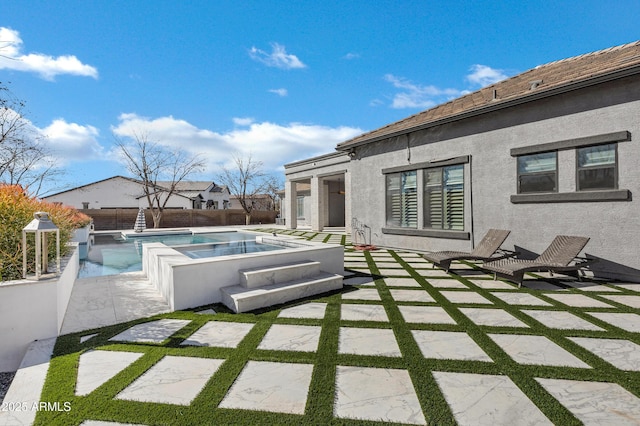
226 249
112 254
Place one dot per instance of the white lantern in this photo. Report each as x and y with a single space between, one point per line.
40 226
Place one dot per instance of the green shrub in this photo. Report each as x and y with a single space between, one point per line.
16 211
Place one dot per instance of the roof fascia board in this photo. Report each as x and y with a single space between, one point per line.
319 158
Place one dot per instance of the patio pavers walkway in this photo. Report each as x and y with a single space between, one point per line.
413 347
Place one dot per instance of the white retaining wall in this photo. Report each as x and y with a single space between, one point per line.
33 310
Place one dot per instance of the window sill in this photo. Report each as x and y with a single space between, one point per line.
432 233
573 197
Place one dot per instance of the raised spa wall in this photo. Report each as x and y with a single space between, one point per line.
187 283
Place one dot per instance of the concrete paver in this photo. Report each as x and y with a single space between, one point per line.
173 380
219 333
632 301
401 282
518 298
561 320
482 399
492 317
595 403
362 294
578 300
97 367
368 341
623 354
308 310
536 350
425 315
411 296
492 284
270 386
151 332
466 297
449 345
623 320
446 283
364 313
376 394
289 337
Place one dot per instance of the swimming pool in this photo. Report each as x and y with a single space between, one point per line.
113 254
201 251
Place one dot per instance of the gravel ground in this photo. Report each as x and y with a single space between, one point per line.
5 382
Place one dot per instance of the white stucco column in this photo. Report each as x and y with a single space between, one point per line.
317 204
347 202
290 200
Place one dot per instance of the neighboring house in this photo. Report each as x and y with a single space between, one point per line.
124 192
551 151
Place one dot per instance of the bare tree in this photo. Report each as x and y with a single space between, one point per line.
152 163
246 182
24 157
273 186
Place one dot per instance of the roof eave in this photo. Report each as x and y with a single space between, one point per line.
533 96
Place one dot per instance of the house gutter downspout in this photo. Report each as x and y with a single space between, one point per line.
473 234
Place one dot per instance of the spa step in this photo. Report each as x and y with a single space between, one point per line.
241 299
259 277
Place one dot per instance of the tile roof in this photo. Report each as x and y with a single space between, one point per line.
187 185
536 81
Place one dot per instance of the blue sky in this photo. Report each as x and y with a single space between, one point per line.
282 80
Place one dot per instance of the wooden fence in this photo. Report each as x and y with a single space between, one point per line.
117 219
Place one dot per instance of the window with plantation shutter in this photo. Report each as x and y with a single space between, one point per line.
444 198
402 199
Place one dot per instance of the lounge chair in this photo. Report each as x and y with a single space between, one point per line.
486 250
560 256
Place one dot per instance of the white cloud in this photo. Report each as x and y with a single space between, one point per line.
414 95
64 142
351 55
278 58
48 67
483 75
273 144
417 96
280 92
72 142
243 121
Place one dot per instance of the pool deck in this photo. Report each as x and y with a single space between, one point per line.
112 299
405 340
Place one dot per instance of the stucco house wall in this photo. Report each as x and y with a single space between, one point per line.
116 192
491 179
221 199
325 184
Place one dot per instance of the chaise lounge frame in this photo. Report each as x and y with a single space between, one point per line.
486 250
560 256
